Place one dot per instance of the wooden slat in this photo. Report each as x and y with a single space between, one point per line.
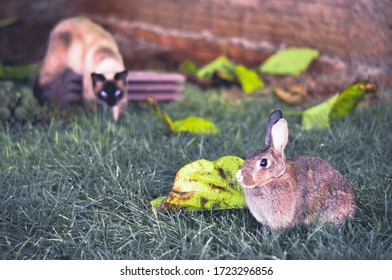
160 86
150 76
154 87
142 96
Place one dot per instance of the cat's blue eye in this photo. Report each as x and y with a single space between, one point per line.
117 93
103 94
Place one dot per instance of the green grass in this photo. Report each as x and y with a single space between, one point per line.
79 190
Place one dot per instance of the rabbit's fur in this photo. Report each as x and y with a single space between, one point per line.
282 192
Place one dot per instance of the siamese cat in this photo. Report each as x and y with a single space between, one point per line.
82 47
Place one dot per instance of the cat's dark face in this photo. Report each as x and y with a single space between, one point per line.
112 91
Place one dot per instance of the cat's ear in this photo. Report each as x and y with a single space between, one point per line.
121 76
97 78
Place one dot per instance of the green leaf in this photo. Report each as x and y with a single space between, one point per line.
8 21
248 79
336 107
188 67
195 125
5 113
157 202
18 72
317 116
222 66
190 124
349 99
291 61
204 184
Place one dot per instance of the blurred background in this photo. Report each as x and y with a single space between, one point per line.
353 36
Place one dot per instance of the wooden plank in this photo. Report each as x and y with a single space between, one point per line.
163 96
154 87
161 86
151 76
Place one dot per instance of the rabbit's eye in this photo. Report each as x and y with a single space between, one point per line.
263 162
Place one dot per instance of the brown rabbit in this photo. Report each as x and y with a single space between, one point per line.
282 192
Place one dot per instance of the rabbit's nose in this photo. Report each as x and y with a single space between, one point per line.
239 176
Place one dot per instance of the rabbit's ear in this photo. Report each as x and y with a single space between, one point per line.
273 118
279 134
